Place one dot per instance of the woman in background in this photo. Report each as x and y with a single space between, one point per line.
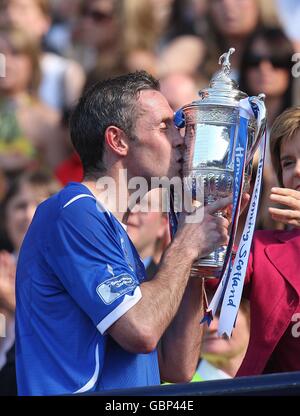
272 281
28 128
18 208
267 67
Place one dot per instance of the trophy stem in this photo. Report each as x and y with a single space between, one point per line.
211 265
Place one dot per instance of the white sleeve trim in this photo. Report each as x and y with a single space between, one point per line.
112 317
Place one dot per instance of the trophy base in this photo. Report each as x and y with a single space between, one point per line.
209 272
210 267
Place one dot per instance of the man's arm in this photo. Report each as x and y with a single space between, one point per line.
179 349
140 329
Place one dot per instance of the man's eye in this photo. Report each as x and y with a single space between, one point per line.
163 126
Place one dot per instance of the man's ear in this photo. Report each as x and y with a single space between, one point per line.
116 141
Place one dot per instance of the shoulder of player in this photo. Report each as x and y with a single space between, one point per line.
84 210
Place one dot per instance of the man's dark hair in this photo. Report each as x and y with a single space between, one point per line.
107 103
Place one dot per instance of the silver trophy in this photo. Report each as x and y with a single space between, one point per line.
211 128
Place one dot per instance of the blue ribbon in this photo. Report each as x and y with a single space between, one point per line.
173 217
179 119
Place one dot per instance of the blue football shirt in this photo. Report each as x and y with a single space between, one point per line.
77 273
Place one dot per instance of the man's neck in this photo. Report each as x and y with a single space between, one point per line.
111 190
147 251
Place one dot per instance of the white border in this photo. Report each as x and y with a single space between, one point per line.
120 310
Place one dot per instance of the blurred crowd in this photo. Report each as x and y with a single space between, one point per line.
55 49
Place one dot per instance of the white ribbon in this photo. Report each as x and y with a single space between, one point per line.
234 288
231 287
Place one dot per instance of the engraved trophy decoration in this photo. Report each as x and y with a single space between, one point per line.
212 128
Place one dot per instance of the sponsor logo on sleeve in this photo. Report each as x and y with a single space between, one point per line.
117 286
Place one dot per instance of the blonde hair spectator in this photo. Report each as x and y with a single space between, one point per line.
20 42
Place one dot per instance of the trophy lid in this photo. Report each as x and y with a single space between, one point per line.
222 89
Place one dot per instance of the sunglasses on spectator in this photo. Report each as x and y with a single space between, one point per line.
97 16
276 61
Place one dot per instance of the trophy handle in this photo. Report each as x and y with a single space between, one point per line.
261 126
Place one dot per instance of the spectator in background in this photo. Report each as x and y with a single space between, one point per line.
231 24
141 35
179 89
28 128
272 280
198 16
150 29
100 32
184 54
221 358
270 15
62 79
289 15
59 38
70 170
180 48
17 208
123 35
148 229
183 18
267 67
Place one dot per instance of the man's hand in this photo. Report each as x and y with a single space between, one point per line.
244 203
202 237
289 198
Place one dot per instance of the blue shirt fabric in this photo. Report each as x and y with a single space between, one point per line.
77 273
